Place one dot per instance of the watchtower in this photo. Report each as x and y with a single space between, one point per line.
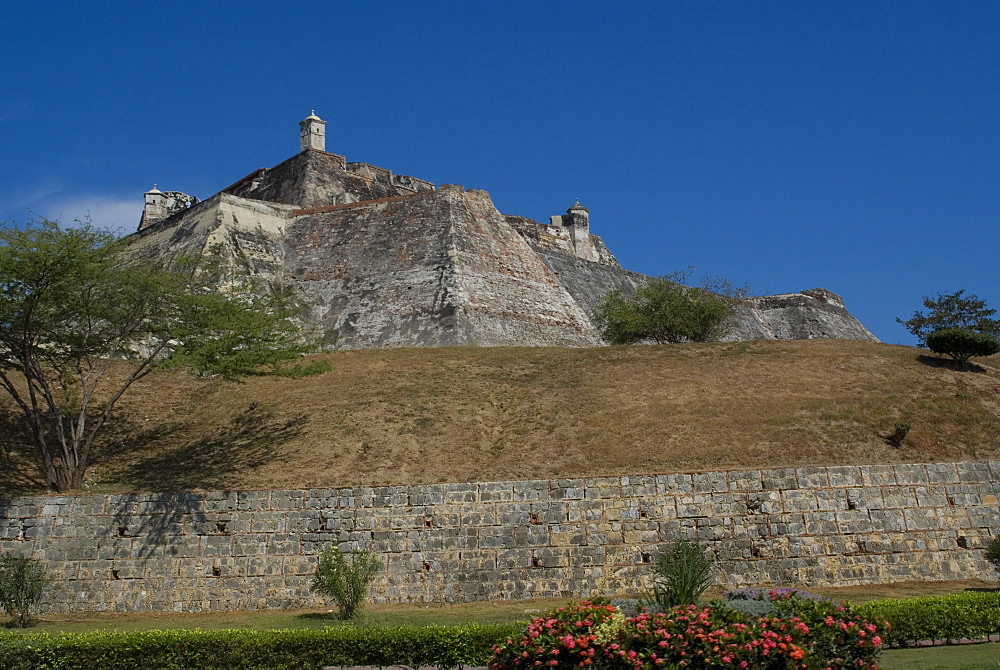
577 221
312 133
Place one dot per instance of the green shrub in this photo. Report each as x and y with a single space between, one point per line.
993 552
951 617
345 581
439 646
22 582
664 310
961 344
754 609
681 575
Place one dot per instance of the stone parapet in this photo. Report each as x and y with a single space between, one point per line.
803 527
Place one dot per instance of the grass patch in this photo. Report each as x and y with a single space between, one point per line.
409 416
950 657
424 614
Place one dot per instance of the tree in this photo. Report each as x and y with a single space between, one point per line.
961 344
954 310
82 320
664 310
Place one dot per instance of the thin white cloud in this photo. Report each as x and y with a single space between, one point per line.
116 214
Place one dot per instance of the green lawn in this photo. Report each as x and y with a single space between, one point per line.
416 614
951 657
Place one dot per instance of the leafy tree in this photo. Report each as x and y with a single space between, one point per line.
954 310
961 345
82 320
664 310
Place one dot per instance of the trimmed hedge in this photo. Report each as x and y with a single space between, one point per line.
969 615
440 646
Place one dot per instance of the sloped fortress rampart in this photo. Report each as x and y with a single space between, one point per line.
390 260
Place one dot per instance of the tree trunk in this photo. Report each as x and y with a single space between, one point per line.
66 478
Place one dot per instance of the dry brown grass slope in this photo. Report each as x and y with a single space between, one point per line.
431 415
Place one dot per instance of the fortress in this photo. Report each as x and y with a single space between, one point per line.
387 260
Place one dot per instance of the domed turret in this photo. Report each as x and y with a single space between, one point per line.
312 133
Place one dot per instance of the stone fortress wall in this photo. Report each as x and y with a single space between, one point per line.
472 541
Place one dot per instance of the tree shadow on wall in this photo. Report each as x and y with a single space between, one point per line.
19 471
215 461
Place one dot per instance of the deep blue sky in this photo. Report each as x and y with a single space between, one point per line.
788 145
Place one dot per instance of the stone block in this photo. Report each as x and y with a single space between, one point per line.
643 486
745 480
695 505
942 473
921 519
846 476
974 472
454 494
779 479
812 477
584 510
932 496
709 482
794 500
878 475
495 492
562 535
674 484
494 537
911 473
603 487
567 489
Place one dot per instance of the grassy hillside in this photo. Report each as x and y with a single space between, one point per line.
434 415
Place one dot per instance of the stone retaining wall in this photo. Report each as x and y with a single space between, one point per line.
458 542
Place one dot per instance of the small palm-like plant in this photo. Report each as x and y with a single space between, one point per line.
682 574
345 581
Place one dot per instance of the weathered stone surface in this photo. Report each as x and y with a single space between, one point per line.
388 260
476 541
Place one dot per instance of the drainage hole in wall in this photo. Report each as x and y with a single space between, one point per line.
216 571
646 558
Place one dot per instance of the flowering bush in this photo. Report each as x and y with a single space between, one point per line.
807 634
706 637
563 638
837 632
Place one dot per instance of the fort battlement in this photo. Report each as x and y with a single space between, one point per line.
380 267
